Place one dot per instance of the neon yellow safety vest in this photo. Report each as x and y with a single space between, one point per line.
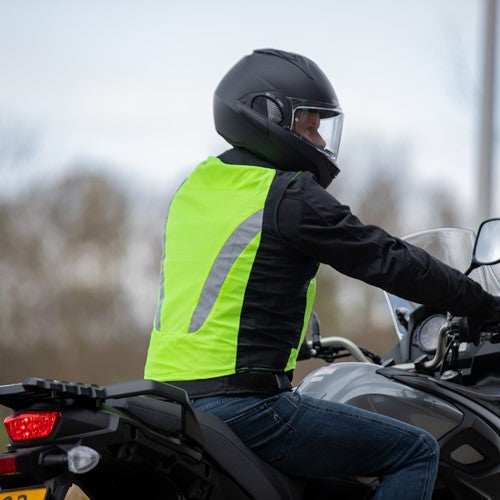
212 241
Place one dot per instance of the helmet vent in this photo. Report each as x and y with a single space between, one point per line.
268 107
290 56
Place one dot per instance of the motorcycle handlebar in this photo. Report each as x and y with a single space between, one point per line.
452 326
342 342
448 328
440 350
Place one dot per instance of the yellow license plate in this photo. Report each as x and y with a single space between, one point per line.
25 494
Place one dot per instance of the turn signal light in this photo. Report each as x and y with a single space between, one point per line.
31 425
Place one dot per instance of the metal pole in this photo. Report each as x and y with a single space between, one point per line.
486 139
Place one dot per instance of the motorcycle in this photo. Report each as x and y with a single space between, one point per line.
432 379
143 439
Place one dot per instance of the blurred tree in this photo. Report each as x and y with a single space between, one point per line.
64 309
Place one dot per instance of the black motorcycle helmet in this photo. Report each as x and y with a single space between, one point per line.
261 101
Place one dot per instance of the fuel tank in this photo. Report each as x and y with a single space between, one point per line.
359 385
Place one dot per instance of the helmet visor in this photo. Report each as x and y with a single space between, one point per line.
319 126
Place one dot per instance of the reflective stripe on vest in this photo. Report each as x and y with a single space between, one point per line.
235 244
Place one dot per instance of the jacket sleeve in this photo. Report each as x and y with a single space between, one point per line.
320 227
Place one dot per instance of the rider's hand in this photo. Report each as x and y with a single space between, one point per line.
471 326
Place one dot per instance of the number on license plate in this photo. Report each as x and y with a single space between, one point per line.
24 494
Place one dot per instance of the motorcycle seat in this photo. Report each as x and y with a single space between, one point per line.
256 477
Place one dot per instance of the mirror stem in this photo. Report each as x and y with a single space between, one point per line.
473 265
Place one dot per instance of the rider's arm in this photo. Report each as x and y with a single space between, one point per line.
319 226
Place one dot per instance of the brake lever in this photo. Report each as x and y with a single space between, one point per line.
493 337
330 354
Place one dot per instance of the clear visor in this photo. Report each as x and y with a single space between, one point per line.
322 127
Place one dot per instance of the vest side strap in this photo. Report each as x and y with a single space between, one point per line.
250 382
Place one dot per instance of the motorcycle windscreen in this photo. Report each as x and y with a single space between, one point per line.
454 247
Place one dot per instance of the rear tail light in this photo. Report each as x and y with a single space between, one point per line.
31 425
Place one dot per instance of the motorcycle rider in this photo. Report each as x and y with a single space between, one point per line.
244 237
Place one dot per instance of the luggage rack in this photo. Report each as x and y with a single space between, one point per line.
43 390
34 389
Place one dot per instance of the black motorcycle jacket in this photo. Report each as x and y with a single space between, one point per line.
317 227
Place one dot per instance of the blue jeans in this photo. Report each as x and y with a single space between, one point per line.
309 438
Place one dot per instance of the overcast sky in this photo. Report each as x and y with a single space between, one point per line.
130 83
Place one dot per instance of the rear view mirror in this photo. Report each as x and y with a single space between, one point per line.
487 247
